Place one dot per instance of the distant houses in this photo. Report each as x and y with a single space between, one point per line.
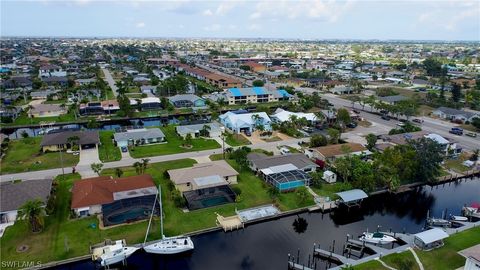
455 115
46 110
282 115
187 101
255 95
245 121
51 71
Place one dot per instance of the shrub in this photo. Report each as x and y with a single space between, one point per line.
178 199
237 190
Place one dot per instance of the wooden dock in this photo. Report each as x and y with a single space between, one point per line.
229 223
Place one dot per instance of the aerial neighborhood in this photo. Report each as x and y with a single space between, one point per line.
118 138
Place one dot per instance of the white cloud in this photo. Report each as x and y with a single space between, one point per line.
207 12
140 25
254 27
212 28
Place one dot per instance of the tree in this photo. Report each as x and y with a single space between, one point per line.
343 117
476 122
318 140
118 172
456 92
24 134
371 141
258 83
273 192
205 130
302 194
433 67
428 157
334 135
34 212
97 167
188 139
73 141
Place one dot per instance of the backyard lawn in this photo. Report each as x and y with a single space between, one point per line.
444 258
236 140
23 119
174 145
25 155
108 151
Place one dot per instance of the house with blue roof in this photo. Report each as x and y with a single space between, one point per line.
245 121
255 95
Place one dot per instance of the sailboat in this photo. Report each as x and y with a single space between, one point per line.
166 245
109 252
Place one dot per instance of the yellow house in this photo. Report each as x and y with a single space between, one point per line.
63 140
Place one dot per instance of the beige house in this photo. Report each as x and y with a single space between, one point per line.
203 175
332 152
60 141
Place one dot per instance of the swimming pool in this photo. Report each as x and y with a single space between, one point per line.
128 215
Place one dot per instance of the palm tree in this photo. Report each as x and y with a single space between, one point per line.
205 130
97 167
144 164
118 172
138 167
73 140
34 211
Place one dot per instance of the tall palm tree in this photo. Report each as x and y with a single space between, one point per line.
205 130
34 212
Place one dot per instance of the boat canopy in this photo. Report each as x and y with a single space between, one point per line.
352 195
431 236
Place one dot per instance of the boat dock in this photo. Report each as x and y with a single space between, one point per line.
229 223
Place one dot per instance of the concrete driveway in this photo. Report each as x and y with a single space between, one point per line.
88 156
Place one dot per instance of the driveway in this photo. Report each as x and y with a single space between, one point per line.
88 156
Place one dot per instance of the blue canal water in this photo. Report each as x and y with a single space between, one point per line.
266 245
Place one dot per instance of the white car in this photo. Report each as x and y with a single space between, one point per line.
284 151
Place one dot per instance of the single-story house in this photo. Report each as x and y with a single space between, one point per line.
150 103
54 81
46 110
139 137
195 131
341 90
472 255
449 145
17 82
332 152
454 114
59 140
14 195
205 184
392 100
245 121
430 239
88 81
113 197
10 112
148 89
258 161
282 115
96 108
187 101
44 94
185 178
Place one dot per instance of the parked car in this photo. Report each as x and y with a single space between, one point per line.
456 131
356 111
471 134
352 125
248 133
124 149
308 129
386 117
417 120
401 124
284 151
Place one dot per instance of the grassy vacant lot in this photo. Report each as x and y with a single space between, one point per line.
236 140
108 151
173 145
23 119
329 190
444 258
25 155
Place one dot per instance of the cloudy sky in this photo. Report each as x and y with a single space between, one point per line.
309 19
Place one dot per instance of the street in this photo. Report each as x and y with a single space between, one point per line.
110 81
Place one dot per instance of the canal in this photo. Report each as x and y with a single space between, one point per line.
266 245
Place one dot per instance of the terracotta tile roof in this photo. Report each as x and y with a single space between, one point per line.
100 190
336 149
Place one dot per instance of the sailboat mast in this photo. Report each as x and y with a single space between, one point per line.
161 210
150 221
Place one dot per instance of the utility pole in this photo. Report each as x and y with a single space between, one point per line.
223 144
61 162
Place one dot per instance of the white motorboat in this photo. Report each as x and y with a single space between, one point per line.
471 211
458 218
116 256
377 238
166 245
106 247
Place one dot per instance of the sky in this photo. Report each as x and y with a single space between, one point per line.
288 19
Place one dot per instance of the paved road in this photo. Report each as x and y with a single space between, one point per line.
128 161
431 125
110 81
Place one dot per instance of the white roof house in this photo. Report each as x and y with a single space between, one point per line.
283 115
437 138
430 239
245 121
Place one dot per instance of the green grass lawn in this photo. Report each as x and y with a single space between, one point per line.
173 145
108 151
456 165
25 155
329 190
444 258
23 119
236 140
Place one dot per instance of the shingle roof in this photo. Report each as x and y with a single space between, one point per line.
86 137
138 134
185 175
14 195
100 190
194 128
298 160
46 108
396 98
189 97
451 111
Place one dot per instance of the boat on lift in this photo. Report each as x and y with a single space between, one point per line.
111 252
472 211
377 238
166 245
458 218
